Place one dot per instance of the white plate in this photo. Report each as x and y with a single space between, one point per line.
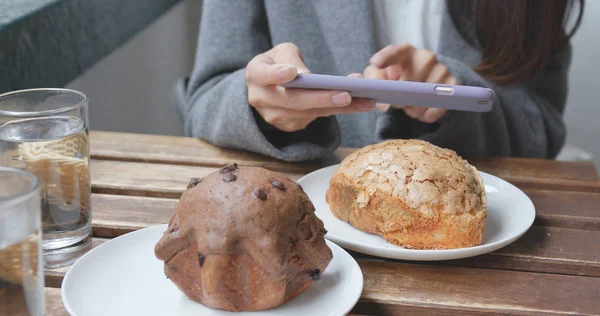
123 277
510 214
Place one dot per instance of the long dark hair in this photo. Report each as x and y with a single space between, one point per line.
516 37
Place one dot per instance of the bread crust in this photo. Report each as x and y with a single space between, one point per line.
412 193
243 239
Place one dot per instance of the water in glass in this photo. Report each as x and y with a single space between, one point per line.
56 150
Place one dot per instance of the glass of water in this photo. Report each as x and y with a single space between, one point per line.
45 132
21 262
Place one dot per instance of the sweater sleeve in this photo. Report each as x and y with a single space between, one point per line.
216 105
526 119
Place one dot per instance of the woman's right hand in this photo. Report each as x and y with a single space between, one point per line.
291 110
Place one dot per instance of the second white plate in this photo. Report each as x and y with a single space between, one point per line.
510 214
123 277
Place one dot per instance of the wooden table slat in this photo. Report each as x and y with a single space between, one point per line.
181 151
542 249
54 304
537 168
551 249
169 181
394 288
145 179
575 210
195 152
578 210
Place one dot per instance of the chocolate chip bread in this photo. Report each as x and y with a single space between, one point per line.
243 239
412 193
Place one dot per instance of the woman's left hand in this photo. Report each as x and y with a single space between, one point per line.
407 63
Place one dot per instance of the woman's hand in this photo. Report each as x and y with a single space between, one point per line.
404 62
292 110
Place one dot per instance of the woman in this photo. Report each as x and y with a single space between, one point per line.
247 49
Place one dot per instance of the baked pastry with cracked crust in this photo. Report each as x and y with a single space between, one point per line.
243 239
412 193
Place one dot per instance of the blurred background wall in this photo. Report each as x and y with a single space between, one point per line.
583 106
130 89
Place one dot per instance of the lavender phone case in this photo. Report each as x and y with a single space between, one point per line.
451 97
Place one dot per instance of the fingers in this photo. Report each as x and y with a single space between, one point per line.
288 53
414 111
374 72
304 99
279 65
438 74
260 72
419 67
432 115
291 120
404 62
298 99
281 120
451 80
424 114
293 109
368 104
358 105
392 54
394 72
382 107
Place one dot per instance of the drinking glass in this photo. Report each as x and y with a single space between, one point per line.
45 132
21 262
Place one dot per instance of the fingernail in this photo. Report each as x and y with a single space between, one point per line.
303 70
341 98
366 106
411 112
382 107
375 60
284 71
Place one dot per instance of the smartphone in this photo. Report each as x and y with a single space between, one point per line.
451 97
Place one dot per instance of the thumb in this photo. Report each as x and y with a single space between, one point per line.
296 60
289 53
263 70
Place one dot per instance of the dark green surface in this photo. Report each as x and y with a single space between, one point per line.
48 43
12 11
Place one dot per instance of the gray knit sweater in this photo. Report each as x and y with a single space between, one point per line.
337 37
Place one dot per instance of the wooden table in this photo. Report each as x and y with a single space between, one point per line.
553 269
